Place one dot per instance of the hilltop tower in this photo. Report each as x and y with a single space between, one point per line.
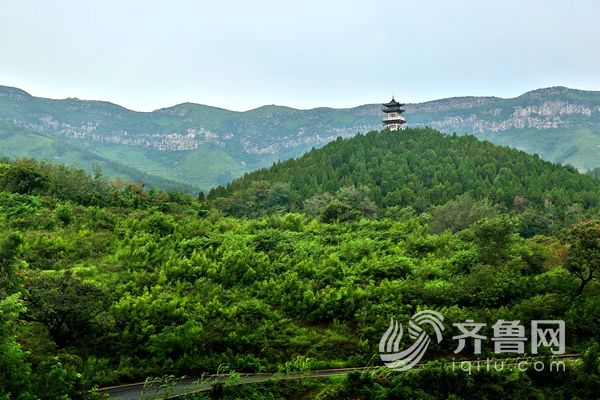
393 120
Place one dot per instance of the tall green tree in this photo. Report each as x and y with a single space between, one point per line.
493 237
583 257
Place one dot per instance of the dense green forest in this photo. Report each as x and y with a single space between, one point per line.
375 173
105 282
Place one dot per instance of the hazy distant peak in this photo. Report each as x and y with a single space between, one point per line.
12 92
559 91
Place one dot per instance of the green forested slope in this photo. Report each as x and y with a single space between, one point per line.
578 146
420 168
103 282
130 166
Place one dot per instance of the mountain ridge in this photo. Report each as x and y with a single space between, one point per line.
550 90
204 146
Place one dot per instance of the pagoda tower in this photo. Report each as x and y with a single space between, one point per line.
393 120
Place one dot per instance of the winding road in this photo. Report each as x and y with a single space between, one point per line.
185 386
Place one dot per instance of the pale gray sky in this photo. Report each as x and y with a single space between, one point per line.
243 54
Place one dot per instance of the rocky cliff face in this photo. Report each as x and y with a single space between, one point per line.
496 118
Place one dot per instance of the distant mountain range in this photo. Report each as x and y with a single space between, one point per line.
198 147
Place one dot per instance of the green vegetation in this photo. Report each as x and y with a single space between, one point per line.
16 143
196 147
377 173
578 146
103 282
140 146
434 381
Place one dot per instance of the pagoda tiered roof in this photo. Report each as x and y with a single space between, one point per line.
393 103
392 106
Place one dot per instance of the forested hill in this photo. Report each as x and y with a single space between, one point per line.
416 167
104 282
198 147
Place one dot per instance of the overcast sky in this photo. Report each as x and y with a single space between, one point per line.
240 55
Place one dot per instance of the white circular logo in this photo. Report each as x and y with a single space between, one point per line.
390 341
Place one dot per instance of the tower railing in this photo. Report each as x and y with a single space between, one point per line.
396 118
